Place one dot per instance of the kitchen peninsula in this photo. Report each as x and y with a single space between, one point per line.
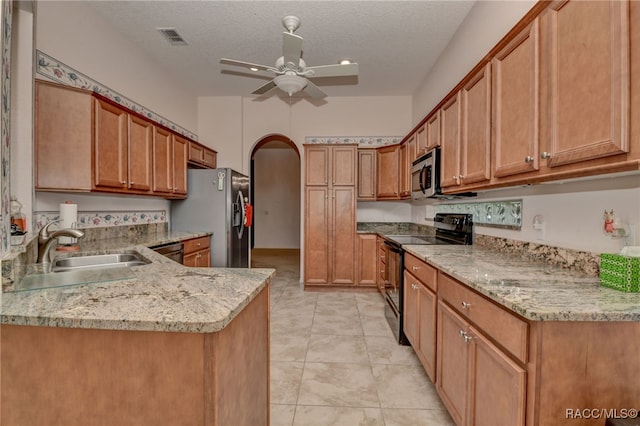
172 345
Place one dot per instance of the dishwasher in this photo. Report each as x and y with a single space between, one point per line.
173 251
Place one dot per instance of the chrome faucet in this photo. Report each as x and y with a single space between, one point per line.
46 240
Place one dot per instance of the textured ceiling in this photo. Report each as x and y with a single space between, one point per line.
395 43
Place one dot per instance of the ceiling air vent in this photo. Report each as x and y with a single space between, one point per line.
172 35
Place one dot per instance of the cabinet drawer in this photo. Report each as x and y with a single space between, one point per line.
427 274
506 329
196 244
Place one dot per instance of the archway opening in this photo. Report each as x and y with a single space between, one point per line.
275 194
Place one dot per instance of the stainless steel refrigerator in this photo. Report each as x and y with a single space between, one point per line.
216 202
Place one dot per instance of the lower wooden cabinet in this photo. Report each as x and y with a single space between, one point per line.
382 264
197 252
367 266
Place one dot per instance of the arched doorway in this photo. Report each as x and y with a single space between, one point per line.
275 194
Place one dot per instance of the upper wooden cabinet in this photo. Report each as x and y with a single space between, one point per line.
366 174
333 165
388 172
588 78
516 104
450 142
201 157
112 149
433 131
421 140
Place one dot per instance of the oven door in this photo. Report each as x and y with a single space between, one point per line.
393 291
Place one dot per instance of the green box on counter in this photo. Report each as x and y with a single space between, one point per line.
620 272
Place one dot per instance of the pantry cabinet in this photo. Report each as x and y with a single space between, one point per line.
388 173
112 149
330 215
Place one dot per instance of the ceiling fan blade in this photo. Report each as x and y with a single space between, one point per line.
337 70
314 91
246 64
264 88
291 48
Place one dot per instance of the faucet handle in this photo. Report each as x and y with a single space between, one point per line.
44 232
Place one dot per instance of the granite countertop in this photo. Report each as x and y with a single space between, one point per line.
534 290
160 296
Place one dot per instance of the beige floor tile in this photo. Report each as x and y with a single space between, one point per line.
340 385
289 347
383 350
376 326
291 324
281 414
285 381
329 323
403 386
337 416
328 348
407 417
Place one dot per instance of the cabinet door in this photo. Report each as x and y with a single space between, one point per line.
367 260
343 235
209 158
196 153
316 229
452 381
498 386
433 131
382 265
427 320
404 171
388 162
343 165
450 142
516 104
475 147
366 174
110 150
410 314
421 141
317 165
162 161
180 147
140 153
589 80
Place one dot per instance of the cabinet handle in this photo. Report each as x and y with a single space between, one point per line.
462 333
467 338
545 155
528 159
198 244
415 268
132 183
465 305
460 177
124 182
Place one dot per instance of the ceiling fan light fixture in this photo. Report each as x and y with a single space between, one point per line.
290 83
254 69
345 61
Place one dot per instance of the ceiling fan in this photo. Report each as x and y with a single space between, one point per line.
292 73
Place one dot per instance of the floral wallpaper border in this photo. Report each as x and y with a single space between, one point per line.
360 140
5 122
64 74
94 219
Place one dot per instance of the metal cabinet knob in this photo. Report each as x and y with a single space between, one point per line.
461 333
545 155
467 338
415 268
528 159
465 305
124 182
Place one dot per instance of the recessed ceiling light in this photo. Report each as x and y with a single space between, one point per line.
345 61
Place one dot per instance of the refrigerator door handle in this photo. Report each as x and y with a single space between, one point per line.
240 222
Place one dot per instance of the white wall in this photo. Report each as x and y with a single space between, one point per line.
276 202
385 211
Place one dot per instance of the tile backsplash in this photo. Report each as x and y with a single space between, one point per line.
499 214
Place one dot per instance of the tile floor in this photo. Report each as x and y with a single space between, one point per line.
334 360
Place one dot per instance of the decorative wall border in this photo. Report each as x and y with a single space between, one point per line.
360 140
95 219
64 74
5 123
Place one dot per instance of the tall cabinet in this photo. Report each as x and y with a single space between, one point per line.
330 215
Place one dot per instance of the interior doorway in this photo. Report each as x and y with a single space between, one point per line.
275 194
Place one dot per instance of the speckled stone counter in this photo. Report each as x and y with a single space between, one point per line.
394 228
160 296
535 290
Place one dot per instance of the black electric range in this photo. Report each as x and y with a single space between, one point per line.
451 228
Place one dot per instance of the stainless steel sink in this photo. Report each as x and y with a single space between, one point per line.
100 261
